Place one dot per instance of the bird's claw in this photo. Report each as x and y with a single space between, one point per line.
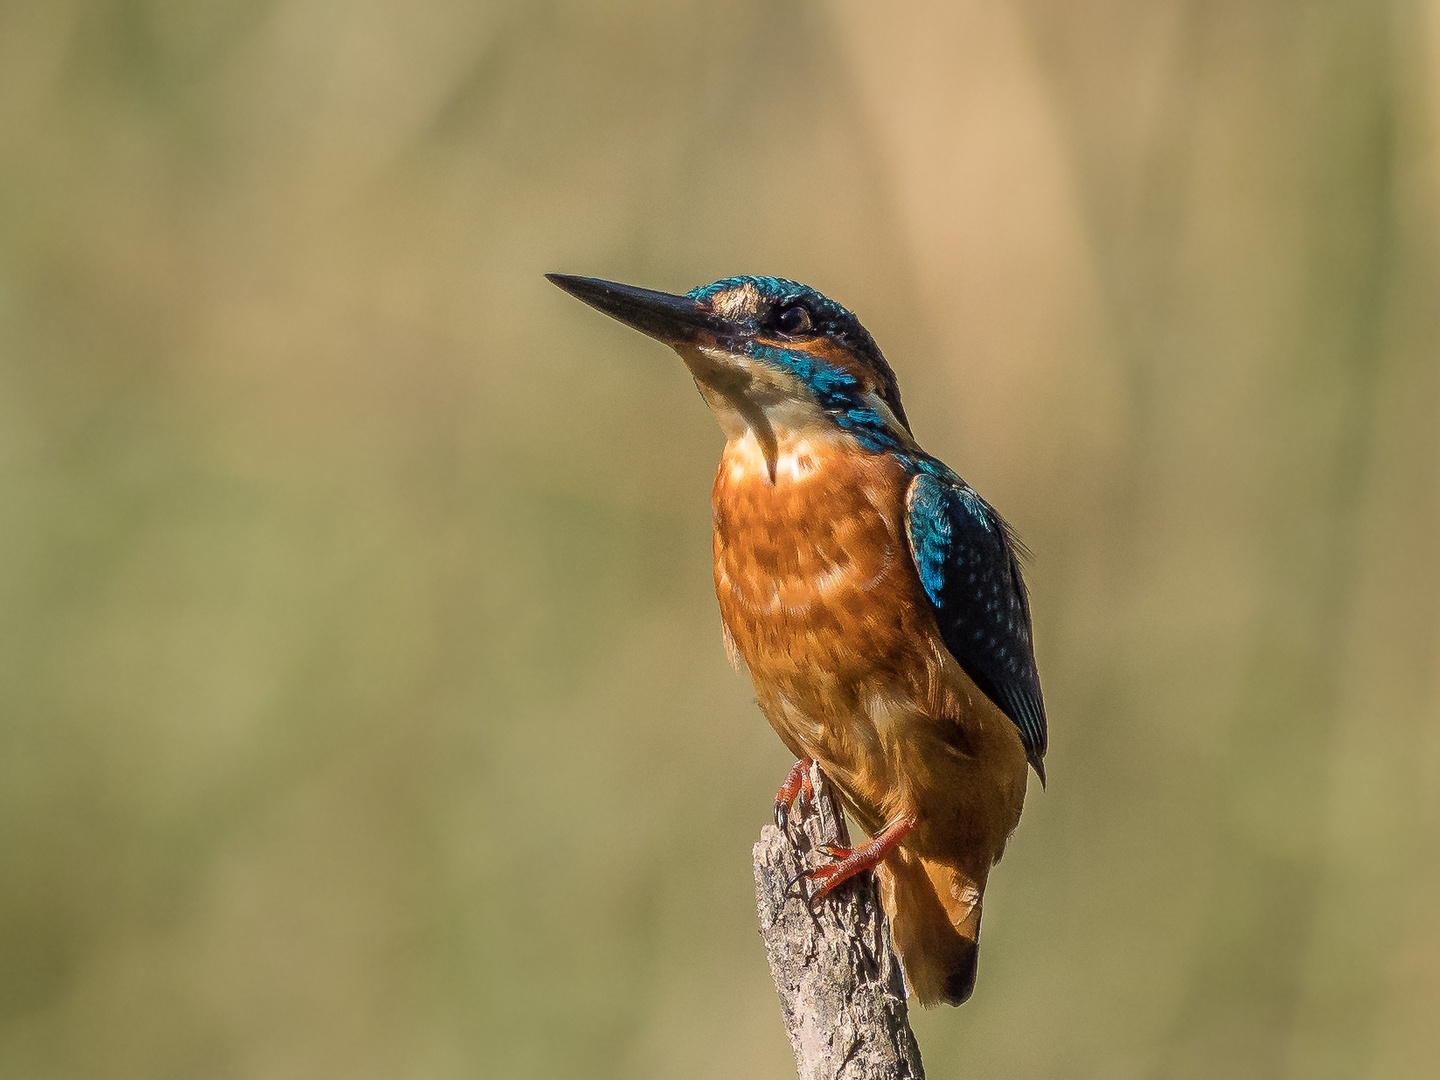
849 861
829 877
797 784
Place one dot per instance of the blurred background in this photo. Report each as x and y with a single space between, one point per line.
363 710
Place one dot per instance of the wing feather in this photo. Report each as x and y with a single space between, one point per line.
969 567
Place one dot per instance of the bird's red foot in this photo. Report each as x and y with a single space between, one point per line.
796 783
850 861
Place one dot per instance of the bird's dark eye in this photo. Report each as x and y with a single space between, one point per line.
794 319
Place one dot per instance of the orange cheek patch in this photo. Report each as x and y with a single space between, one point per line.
829 352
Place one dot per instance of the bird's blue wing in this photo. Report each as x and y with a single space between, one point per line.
968 566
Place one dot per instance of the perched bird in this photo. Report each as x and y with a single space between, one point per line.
876 599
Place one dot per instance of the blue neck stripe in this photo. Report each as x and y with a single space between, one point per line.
838 393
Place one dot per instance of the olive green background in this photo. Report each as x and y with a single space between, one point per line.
363 711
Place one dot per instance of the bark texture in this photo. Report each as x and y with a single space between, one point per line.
840 984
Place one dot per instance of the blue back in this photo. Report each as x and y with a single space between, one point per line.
968 566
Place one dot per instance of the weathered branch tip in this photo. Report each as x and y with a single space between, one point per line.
840 986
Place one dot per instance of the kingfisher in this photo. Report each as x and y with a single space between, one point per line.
875 598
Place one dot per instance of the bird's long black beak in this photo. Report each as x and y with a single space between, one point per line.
675 320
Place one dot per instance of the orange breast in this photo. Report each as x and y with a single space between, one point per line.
821 599
817 588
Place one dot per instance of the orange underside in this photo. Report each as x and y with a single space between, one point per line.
820 597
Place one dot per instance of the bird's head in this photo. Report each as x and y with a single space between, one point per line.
773 358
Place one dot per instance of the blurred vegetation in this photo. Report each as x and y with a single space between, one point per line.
362 705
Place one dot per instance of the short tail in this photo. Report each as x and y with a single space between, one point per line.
934 911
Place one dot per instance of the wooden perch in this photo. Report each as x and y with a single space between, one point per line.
840 986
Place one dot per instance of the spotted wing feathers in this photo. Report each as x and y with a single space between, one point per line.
968 566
